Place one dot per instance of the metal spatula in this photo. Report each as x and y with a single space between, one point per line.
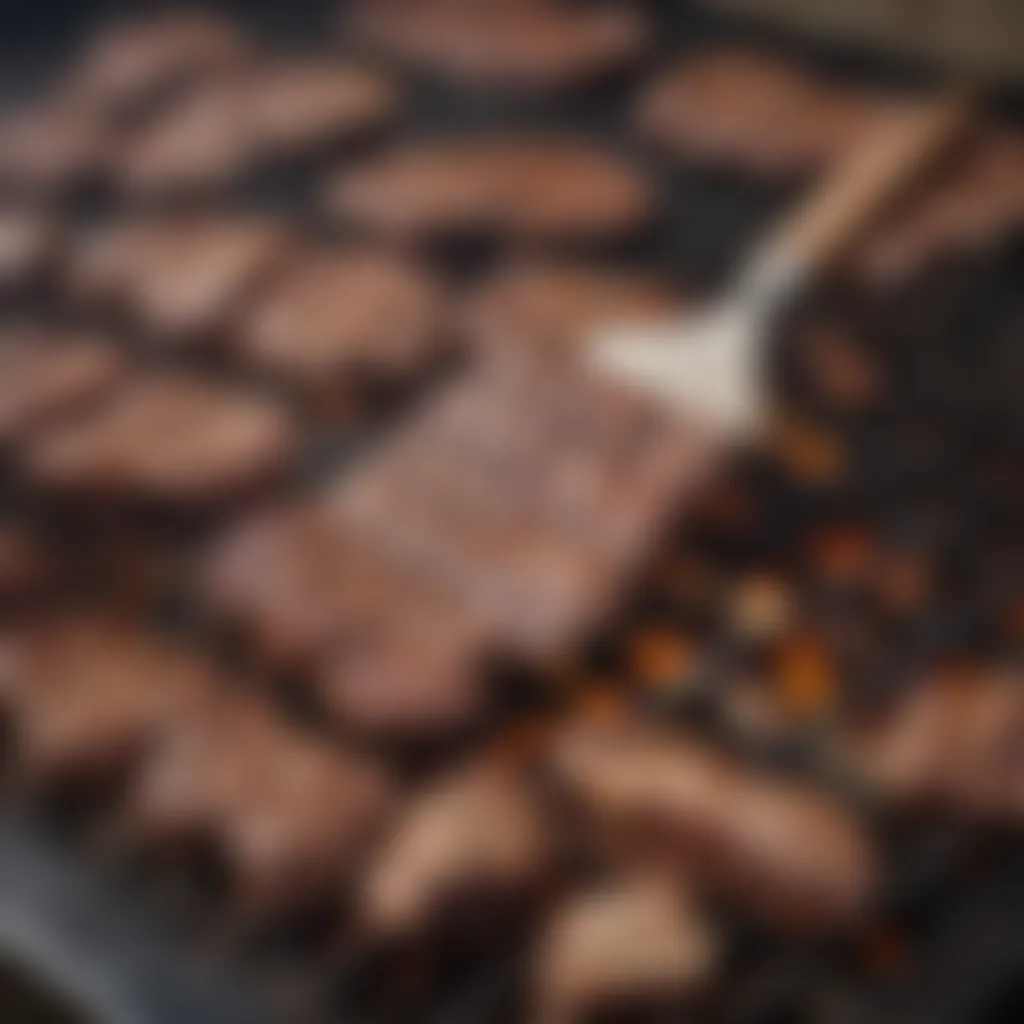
707 366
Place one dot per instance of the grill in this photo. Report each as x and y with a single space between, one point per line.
120 940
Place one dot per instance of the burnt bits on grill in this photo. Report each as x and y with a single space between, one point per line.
289 815
342 319
788 852
630 946
48 375
514 46
753 112
529 189
180 280
471 855
88 695
171 441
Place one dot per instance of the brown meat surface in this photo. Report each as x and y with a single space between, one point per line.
546 189
528 46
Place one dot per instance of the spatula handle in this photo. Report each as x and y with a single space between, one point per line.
866 182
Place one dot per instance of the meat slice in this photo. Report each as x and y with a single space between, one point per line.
190 278
202 142
344 318
754 112
290 816
288 581
517 46
633 945
28 247
415 673
50 147
972 205
180 279
783 850
130 64
386 652
554 306
88 695
302 106
952 743
474 852
170 440
47 375
532 189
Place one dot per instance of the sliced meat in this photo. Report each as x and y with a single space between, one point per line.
338 319
173 441
47 375
474 851
415 673
180 279
628 947
50 147
517 46
387 653
287 580
530 189
191 277
302 106
755 113
129 64
28 247
202 142
783 850
88 695
974 204
952 744
290 816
